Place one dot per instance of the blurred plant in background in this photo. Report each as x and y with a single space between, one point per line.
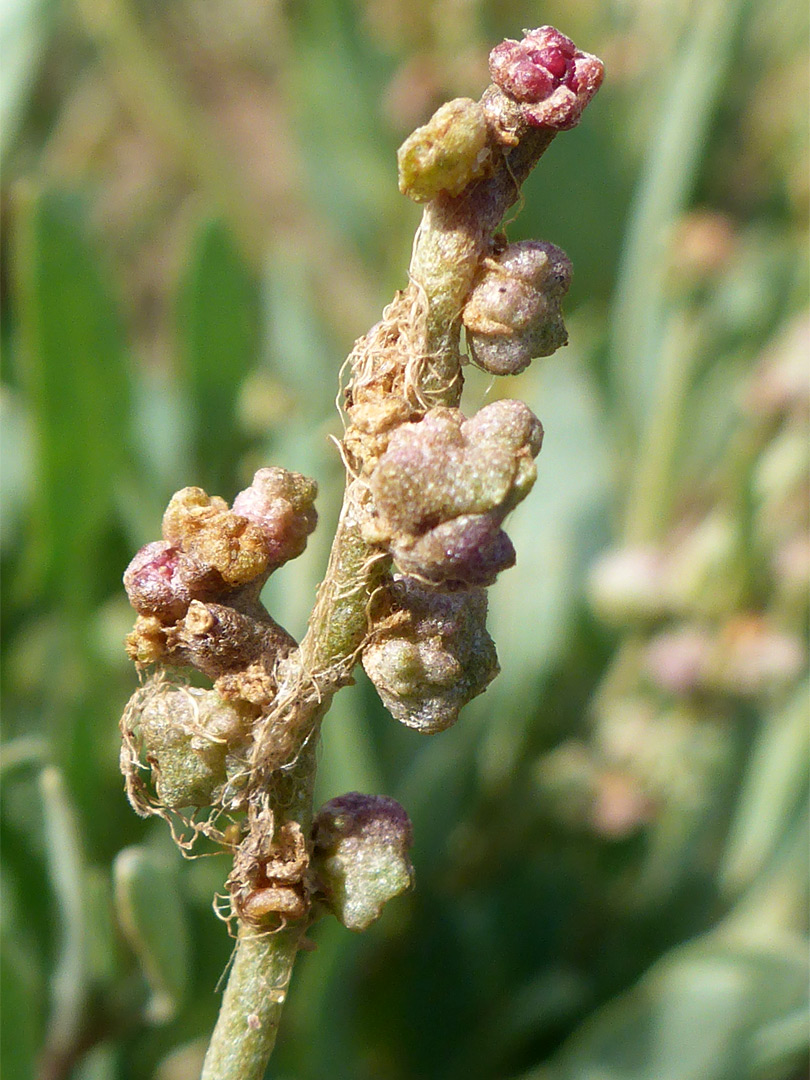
201 214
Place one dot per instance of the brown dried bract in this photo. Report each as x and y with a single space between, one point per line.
268 883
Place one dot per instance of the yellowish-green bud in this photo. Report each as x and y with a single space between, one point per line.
447 153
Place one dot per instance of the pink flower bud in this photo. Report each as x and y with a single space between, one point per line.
162 581
281 504
547 74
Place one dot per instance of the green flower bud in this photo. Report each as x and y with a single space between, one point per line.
360 856
430 654
448 152
185 735
513 313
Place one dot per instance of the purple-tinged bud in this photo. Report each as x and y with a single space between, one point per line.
444 486
548 75
752 656
430 653
281 504
628 585
471 549
513 313
678 660
162 581
360 856
447 153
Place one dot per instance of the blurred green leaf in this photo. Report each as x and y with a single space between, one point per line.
688 100
15 465
24 28
69 981
697 1015
72 365
151 912
20 1018
218 329
336 86
774 787
556 533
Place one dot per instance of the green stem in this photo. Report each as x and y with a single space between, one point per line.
245 1033
453 236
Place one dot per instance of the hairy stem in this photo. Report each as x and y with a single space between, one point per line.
453 236
245 1033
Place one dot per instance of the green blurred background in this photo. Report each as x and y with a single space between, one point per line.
200 215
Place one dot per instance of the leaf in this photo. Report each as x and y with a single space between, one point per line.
20 1026
24 27
15 465
69 980
218 328
699 1014
556 532
677 147
151 912
76 382
774 787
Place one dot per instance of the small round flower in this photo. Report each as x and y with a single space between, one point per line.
548 75
513 313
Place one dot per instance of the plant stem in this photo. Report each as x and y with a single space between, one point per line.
245 1033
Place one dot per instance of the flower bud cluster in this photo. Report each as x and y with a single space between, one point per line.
513 313
548 75
269 881
441 492
444 486
430 653
196 594
447 153
190 738
196 589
